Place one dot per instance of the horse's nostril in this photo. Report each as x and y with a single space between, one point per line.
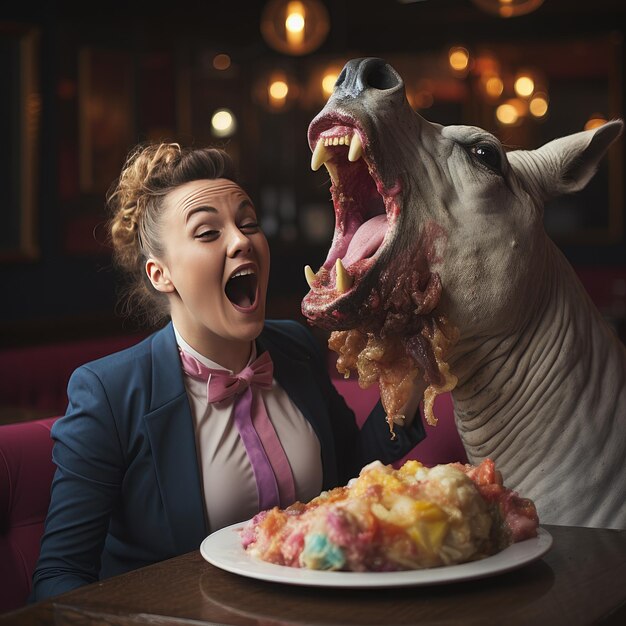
380 76
371 73
341 77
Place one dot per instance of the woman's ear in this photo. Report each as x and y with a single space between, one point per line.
159 276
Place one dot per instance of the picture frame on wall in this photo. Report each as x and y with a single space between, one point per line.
97 113
106 88
110 99
20 111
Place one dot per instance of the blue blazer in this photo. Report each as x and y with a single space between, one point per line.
127 491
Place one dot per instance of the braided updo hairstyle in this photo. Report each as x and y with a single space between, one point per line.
135 202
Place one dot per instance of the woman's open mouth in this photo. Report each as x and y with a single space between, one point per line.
365 215
242 289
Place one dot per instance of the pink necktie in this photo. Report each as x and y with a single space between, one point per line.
270 465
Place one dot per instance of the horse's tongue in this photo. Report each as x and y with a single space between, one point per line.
366 240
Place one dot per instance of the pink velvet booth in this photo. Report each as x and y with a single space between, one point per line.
26 471
35 377
442 443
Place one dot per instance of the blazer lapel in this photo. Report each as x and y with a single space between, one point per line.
171 433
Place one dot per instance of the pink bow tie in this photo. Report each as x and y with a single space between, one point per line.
272 472
223 385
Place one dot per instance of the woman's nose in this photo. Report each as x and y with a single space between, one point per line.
239 243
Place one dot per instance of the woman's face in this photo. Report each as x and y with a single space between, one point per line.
216 264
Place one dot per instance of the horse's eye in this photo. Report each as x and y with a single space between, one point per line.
488 155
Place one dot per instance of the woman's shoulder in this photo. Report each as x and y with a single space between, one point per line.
129 380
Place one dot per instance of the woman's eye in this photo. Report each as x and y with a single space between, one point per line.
250 226
488 155
207 234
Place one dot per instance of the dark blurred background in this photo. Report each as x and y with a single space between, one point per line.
83 82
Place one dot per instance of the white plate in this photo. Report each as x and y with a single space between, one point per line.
223 549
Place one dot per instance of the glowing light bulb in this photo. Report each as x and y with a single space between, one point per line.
595 121
538 106
328 82
507 114
458 58
494 86
223 123
278 90
505 10
524 85
295 23
508 8
294 27
221 62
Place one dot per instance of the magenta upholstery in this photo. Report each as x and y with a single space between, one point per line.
26 471
35 377
442 443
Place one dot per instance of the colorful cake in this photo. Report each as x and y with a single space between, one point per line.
387 520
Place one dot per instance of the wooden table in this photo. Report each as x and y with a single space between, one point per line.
582 580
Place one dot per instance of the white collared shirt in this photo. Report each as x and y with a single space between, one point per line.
227 478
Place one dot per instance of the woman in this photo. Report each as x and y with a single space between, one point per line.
214 417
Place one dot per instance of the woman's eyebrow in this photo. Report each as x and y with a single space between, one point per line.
245 203
198 209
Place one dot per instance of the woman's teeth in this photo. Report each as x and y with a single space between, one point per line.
244 272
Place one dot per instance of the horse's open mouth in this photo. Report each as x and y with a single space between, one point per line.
375 289
365 215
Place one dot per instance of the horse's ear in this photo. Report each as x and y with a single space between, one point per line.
567 164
